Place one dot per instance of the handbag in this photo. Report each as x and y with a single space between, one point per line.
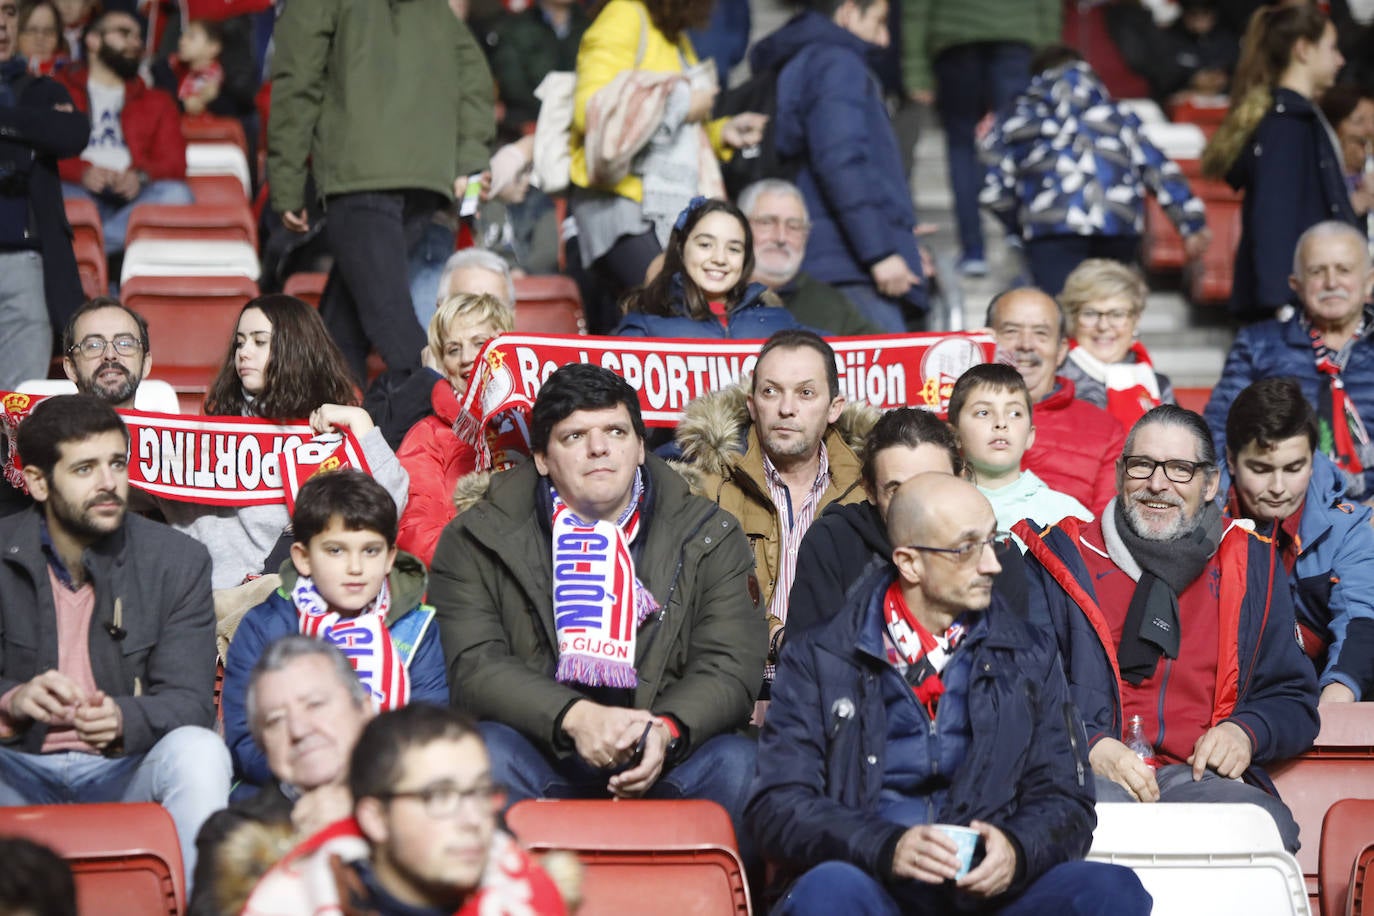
553 127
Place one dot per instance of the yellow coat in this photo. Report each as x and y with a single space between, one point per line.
608 47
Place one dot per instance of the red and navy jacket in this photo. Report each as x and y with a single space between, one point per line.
151 123
1264 683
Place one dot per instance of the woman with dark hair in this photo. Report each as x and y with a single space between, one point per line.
631 175
282 365
40 38
703 288
1277 147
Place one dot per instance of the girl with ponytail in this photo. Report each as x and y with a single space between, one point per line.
1277 148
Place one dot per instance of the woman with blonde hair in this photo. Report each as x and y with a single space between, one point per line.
1109 367
1277 147
432 453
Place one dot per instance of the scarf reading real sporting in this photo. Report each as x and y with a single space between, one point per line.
924 653
598 604
364 640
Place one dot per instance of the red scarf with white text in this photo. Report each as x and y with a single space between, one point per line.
924 654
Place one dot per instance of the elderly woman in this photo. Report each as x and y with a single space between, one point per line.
1108 366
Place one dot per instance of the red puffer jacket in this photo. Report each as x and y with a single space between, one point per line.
151 123
1076 447
435 459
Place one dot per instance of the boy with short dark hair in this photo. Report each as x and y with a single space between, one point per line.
345 583
990 408
196 65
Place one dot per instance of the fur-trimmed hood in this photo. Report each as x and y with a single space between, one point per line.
713 434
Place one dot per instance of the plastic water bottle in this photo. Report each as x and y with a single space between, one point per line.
1135 740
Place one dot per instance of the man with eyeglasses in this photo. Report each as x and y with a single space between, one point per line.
777 215
1166 610
423 838
39 285
135 152
106 351
926 703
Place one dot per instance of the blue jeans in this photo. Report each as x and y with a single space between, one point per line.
888 315
972 80
25 334
1068 889
720 770
1176 785
427 259
187 772
1052 258
114 217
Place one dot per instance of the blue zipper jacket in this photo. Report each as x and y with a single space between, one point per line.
1068 160
276 617
1333 580
824 746
753 319
1264 683
832 121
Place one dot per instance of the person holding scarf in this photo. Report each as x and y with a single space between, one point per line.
1109 367
1165 609
600 620
345 584
1326 346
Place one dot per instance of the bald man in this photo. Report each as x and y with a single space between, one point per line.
926 701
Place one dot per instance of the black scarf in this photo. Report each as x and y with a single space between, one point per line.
1167 568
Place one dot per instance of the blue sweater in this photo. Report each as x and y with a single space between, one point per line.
277 617
752 319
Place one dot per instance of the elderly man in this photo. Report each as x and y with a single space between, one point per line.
777 215
1076 444
306 708
107 635
886 724
784 458
597 616
1297 496
1174 621
1328 347
423 837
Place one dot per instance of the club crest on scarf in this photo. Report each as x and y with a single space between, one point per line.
922 654
598 603
494 417
364 640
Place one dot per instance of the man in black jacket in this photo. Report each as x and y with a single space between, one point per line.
924 707
39 286
107 635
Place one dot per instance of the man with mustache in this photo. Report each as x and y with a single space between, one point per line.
777 214
136 154
1328 346
1076 443
107 635
106 352
1169 613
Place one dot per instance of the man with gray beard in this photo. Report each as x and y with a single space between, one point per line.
106 352
1176 620
1076 443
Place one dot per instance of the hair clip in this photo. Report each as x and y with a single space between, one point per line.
692 206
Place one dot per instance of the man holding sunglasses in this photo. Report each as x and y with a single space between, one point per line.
1166 610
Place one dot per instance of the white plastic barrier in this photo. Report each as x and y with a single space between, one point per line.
1218 860
1145 109
153 394
219 159
146 257
1177 141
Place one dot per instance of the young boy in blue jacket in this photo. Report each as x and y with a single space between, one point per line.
348 584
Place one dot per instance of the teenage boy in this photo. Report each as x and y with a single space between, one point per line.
990 409
1296 495
347 584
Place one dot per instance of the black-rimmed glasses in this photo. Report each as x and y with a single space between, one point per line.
966 552
1178 470
444 799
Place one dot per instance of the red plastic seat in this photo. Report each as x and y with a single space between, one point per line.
548 305
1194 399
1163 247
125 857
191 323
211 129
306 285
85 220
636 852
1347 830
1210 283
1340 765
91 265
217 190
198 222
1360 898
1193 111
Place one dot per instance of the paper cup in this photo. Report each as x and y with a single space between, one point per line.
967 840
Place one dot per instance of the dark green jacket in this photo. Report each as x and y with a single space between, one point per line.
383 94
525 49
821 306
931 26
699 659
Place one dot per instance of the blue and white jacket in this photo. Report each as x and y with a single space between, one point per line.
1068 160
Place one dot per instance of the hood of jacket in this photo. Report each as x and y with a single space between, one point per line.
861 520
408 580
808 28
714 432
1074 87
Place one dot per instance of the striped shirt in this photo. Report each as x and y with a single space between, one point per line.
793 522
